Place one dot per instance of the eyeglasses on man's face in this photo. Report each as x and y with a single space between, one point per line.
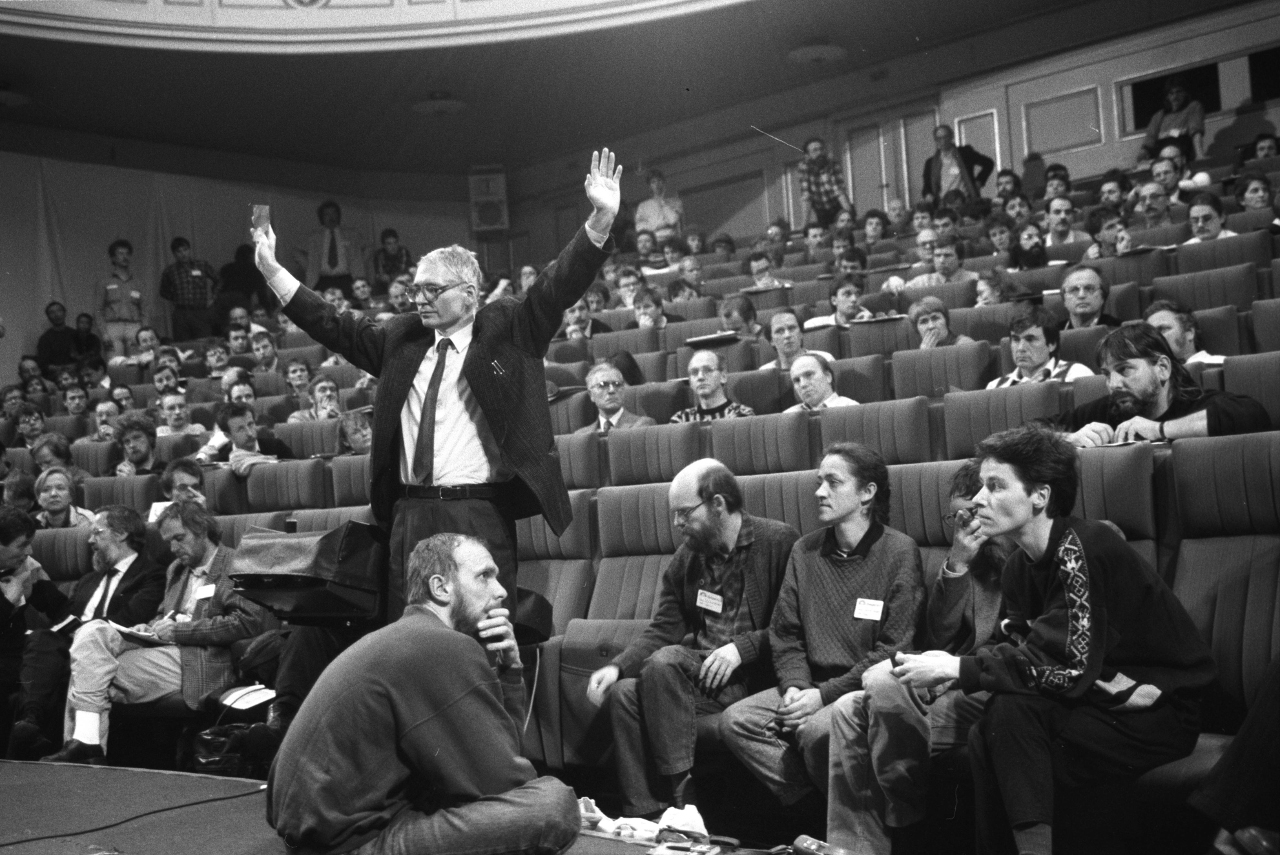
606 385
430 292
681 514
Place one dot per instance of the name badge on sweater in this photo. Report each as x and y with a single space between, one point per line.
205 591
196 272
868 609
711 602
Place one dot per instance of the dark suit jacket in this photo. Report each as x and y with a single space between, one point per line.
971 158
136 598
628 420
219 621
503 367
594 328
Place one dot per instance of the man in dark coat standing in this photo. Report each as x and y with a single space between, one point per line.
952 168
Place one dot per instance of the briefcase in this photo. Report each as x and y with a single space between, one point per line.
314 577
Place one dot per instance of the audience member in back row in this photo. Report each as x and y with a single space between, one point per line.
190 285
264 354
1034 341
56 346
707 377
323 392
605 384
177 417
1109 229
813 382
1206 219
122 315
137 440
1061 211
577 323
844 300
883 736
707 644
1152 397
851 597
1180 329
961 168
1084 293
822 187
660 210
932 320
788 341
197 622
948 258
390 260
1098 671
55 493
53 449
647 304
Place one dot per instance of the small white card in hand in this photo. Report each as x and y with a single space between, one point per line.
868 609
711 602
205 591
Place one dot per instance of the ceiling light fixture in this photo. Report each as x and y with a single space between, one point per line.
440 103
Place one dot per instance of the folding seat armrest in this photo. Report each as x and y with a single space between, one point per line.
598 641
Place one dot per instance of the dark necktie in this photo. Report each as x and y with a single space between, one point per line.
606 426
101 611
333 249
424 451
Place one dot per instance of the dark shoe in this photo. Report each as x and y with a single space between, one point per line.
28 742
261 741
75 751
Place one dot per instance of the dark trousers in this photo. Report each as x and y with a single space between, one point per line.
414 520
654 719
306 652
37 677
1026 746
190 324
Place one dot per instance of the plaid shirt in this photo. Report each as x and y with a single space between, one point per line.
821 187
190 285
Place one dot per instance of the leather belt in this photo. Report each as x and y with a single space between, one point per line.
447 493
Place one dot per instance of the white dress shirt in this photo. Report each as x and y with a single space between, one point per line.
111 583
832 400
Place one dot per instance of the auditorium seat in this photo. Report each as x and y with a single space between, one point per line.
1071 253
971 417
772 443
674 335
1036 281
1236 285
1258 376
1087 389
205 415
232 527
811 293
72 427
652 454
566 374
137 492
987 263
762 391
785 496
726 285
658 401
175 446
564 350
350 474
580 464
805 272
636 545
633 341
863 379
559 568
1251 248
308 439
124 375
96 458
771 298
1115 485
267 411
826 340
1081 345
1124 302
353 398
1265 315
295 339
692 310
616 319
1162 236
919 497
20 459
225 492
313 354
346 376
144 395
897 430
1249 221
1219 330
954 296
327 519
939 370
288 485
1225 576
984 323
64 554
1140 267
652 365
570 413
882 336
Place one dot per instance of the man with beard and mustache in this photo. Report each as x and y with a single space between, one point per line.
883 735
707 645
1152 397
1084 293
125 587
822 187
198 620
1026 250
410 740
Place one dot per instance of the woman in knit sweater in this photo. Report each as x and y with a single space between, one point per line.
851 597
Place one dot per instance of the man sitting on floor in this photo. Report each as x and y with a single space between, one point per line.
189 651
433 762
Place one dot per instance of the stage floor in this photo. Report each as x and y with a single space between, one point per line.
58 809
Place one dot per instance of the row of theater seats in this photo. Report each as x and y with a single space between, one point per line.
1204 511
303 348
933 373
